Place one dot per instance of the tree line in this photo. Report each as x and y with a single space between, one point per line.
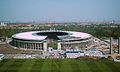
98 31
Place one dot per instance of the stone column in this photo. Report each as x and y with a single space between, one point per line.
30 46
26 45
39 46
110 45
18 43
35 46
59 46
119 45
45 46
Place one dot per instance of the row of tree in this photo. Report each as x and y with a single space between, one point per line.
99 32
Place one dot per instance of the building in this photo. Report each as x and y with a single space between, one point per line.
3 24
42 40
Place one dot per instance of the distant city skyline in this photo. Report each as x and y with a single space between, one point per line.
59 10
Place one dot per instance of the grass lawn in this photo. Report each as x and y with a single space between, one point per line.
57 65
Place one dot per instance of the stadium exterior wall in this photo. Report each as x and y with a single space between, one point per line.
41 45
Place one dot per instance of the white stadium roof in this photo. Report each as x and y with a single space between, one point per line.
33 35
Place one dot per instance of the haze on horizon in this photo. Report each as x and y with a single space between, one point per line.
59 10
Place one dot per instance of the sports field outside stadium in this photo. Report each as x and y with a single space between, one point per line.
57 65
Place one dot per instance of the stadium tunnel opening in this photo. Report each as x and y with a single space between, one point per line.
52 35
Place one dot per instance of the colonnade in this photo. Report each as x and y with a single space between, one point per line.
75 45
29 45
43 45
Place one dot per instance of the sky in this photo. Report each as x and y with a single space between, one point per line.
59 10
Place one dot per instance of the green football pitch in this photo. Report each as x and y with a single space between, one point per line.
57 65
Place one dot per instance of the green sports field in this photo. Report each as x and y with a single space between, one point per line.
57 65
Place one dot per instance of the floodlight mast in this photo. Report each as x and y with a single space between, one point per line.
111 45
119 45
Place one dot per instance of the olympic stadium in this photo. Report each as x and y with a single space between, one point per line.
41 40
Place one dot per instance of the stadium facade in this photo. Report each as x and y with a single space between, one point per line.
40 40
